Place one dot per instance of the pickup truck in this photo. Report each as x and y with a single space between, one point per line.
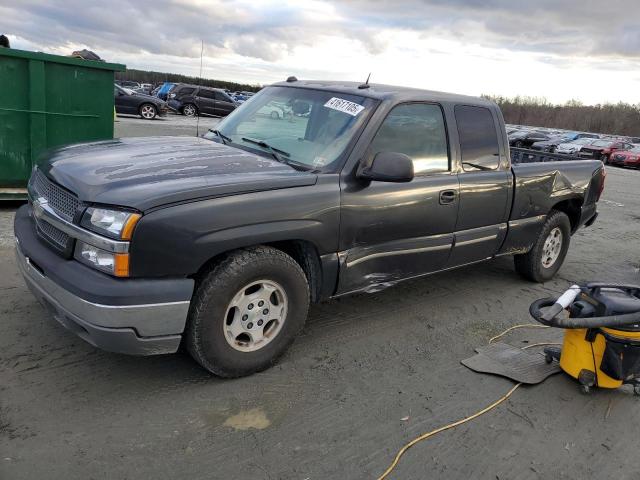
220 243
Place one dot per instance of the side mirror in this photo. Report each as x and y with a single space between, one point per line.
387 167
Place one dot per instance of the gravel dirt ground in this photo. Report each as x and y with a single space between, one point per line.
369 373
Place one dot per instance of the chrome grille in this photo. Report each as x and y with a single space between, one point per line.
63 203
51 233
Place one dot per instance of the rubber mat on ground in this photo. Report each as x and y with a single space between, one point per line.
511 362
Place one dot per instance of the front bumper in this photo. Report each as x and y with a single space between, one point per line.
124 316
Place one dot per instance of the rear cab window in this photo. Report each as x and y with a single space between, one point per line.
479 147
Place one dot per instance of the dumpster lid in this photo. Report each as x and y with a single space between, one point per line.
47 57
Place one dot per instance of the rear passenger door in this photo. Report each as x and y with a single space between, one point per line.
486 184
391 231
224 105
206 101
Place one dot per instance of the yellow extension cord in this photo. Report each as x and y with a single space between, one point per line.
424 436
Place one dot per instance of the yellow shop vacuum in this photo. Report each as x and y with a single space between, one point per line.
601 323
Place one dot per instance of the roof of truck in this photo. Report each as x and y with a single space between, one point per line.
384 92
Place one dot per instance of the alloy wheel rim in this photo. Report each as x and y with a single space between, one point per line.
255 315
189 111
147 111
552 247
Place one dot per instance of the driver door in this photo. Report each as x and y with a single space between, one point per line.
391 231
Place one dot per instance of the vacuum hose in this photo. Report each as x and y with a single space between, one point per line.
555 306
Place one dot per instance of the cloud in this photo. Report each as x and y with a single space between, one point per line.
418 40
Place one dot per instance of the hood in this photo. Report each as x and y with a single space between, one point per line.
144 173
148 97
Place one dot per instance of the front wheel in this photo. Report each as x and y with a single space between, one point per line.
148 111
246 312
544 260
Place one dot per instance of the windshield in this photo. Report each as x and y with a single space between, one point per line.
602 143
308 127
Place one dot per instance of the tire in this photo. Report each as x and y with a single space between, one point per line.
212 315
275 115
552 149
536 265
605 159
518 144
190 110
148 111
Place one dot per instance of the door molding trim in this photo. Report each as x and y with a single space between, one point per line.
396 252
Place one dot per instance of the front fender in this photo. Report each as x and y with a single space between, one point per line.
180 239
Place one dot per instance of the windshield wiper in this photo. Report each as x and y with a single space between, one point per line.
279 155
222 136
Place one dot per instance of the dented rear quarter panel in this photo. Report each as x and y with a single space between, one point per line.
540 186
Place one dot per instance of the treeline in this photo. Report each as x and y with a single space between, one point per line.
143 76
617 119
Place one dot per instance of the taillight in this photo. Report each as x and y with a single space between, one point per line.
604 176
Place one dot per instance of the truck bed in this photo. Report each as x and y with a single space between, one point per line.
525 155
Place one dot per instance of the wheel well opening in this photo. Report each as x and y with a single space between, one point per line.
304 253
572 208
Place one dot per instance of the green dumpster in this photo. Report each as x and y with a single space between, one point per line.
47 101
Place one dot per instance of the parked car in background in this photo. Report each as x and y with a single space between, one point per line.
239 97
602 149
571 148
550 144
626 158
524 139
192 100
127 84
132 103
145 88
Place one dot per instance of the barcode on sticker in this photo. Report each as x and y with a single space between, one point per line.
344 106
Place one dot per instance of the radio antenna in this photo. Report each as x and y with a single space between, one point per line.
365 84
199 84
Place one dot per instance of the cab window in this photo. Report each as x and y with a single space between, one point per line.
478 138
418 131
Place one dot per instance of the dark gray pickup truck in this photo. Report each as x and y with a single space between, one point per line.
220 243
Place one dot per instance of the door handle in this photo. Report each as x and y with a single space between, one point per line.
447 197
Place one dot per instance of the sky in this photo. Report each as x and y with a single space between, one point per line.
587 50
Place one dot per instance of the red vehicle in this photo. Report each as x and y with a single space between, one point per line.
602 149
626 158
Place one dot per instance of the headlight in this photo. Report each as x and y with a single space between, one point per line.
116 264
117 224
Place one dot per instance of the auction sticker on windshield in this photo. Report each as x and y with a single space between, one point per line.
344 106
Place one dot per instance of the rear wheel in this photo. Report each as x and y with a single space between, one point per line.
544 260
190 110
246 312
148 111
